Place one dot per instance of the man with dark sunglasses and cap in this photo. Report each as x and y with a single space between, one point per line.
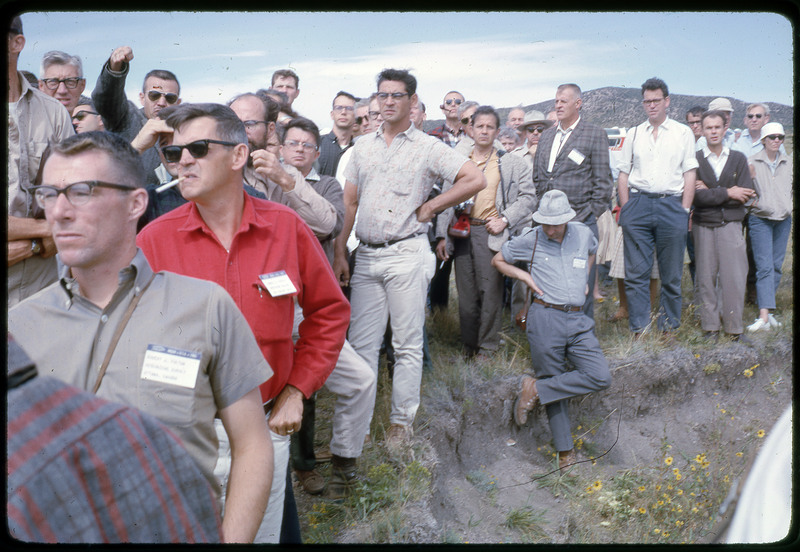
559 254
159 90
531 129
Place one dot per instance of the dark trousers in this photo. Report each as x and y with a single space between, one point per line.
652 223
440 285
301 448
290 526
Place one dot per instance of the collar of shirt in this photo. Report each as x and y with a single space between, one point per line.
249 217
707 152
666 125
411 132
138 272
569 129
313 176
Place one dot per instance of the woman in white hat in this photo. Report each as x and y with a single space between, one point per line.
770 220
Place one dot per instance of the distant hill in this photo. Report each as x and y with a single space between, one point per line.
622 107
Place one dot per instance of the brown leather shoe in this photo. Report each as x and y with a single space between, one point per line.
397 437
313 483
527 399
565 460
619 315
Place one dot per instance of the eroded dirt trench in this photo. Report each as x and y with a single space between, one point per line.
483 465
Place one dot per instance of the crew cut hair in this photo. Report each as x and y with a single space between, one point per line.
570 86
466 105
229 127
714 113
304 124
57 57
487 110
654 83
124 157
401 75
286 73
342 93
271 107
162 74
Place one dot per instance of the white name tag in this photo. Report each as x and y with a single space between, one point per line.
278 283
172 366
576 156
578 263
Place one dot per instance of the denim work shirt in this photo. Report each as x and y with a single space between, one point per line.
559 269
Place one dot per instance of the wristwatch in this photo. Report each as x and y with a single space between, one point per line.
36 247
504 219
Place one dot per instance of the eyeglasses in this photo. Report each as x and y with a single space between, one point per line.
359 120
538 129
81 115
777 137
652 102
294 143
344 107
373 115
71 83
197 149
155 95
395 95
251 124
452 101
692 123
466 120
77 193
755 115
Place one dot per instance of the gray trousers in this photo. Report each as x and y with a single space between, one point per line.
720 256
480 292
558 337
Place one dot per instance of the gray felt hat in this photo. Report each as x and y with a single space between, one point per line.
554 209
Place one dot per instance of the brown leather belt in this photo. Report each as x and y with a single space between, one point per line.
565 308
477 222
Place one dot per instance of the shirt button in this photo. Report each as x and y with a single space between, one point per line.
68 303
137 290
69 285
104 318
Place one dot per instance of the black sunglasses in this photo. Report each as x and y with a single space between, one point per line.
775 137
359 120
197 149
81 115
155 95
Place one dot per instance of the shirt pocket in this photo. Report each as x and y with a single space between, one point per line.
172 404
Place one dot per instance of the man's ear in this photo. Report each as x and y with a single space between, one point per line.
240 154
141 97
138 203
16 44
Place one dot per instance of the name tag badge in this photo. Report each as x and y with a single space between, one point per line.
172 366
576 156
578 263
278 283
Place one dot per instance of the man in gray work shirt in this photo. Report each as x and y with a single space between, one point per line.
561 254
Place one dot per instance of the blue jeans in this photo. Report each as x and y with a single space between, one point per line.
769 239
651 224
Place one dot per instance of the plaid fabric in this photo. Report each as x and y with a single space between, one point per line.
85 470
447 136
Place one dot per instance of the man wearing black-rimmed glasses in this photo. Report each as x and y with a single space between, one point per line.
174 347
62 78
159 90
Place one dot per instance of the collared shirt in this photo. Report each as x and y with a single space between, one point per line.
562 135
658 164
330 189
58 433
717 162
271 238
559 269
330 152
189 322
526 154
485 199
394 180
448 135
33 121
315 210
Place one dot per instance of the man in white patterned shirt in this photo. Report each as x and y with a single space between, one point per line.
389 177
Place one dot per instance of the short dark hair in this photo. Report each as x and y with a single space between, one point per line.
85 100
32 79
15 25
162 74
229 127
304 124
125 158
486 110
654 83
286 73
697 111
341 93
714 113
401 75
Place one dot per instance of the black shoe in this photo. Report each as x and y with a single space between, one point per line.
743 339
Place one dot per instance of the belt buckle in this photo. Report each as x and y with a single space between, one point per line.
563 308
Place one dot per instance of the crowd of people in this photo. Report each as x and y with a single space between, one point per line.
218 264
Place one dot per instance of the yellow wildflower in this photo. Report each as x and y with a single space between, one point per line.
748 373
724 411
589 490
669 486
660 502
678 477
739 454
658 487
679 523
642 489
675 470
597 485
760 433
642 510
680 492
656 531
668 460
665 534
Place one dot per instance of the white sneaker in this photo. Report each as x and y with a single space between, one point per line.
758 326
773 323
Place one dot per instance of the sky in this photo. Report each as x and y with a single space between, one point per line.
497 58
